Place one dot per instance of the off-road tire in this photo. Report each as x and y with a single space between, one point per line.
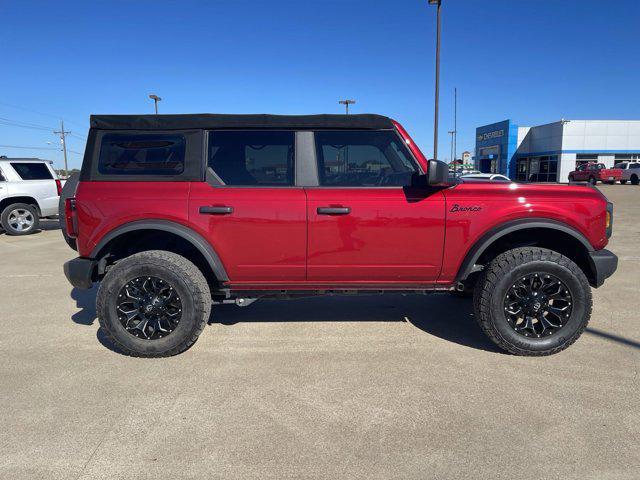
4 219
500 275
189 283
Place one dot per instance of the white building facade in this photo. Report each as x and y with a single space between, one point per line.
547 153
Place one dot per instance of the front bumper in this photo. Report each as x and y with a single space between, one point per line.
79 272
603 264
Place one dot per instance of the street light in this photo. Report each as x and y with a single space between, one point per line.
346 104
155 99
435 121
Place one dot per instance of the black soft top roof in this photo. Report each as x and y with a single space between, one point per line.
214 120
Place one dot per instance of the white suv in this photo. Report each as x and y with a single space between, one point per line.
29 190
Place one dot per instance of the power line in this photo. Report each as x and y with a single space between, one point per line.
57 117
13 123
29 148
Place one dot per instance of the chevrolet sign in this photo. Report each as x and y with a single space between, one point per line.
489 135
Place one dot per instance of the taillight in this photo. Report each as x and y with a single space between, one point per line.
59 186
71 217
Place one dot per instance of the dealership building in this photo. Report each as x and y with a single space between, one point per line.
547 153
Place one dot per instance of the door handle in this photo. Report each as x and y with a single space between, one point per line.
216 210
334 210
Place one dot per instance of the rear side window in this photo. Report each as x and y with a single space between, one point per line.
363 159
261 158
32 171
142 154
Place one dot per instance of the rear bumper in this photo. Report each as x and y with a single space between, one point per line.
603 264
79 272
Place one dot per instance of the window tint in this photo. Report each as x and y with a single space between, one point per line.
32 171
252 157
634 165
143 154
363 159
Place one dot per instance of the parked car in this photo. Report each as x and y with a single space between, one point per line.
487 176
175 213
594 173
630 172
29 191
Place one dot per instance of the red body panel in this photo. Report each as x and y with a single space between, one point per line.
580 207
391 235
104 206
264 239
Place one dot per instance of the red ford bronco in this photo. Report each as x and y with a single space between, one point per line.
174 213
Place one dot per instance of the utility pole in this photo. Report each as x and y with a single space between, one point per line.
346 104
438 3
63 142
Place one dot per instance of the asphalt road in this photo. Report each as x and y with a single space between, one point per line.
366 387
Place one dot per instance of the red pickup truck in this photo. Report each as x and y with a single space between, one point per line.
594 173
175 213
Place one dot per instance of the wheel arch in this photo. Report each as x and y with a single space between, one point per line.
546 233
29 200
186 234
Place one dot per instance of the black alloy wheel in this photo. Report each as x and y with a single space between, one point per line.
149 308
538 305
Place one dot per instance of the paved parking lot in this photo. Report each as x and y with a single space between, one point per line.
367 387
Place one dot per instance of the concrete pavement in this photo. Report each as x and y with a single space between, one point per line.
364 387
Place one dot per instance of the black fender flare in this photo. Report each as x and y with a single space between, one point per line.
486 240
191 236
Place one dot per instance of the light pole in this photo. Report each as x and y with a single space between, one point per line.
346 104
453 158
435 120
155 99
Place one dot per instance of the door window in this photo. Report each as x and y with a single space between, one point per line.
363 159
261 158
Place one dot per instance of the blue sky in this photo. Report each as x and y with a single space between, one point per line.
533 62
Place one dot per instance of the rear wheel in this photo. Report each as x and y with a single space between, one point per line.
592 180
532 301
634 179
20 219
571 178
154 304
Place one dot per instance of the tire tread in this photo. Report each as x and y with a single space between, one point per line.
192 275
497 269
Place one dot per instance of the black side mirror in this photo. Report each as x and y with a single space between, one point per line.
438 173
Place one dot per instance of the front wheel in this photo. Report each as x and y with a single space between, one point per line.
532 301
153 304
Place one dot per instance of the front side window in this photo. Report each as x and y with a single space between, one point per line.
142 154
32 171
363 159
245 158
